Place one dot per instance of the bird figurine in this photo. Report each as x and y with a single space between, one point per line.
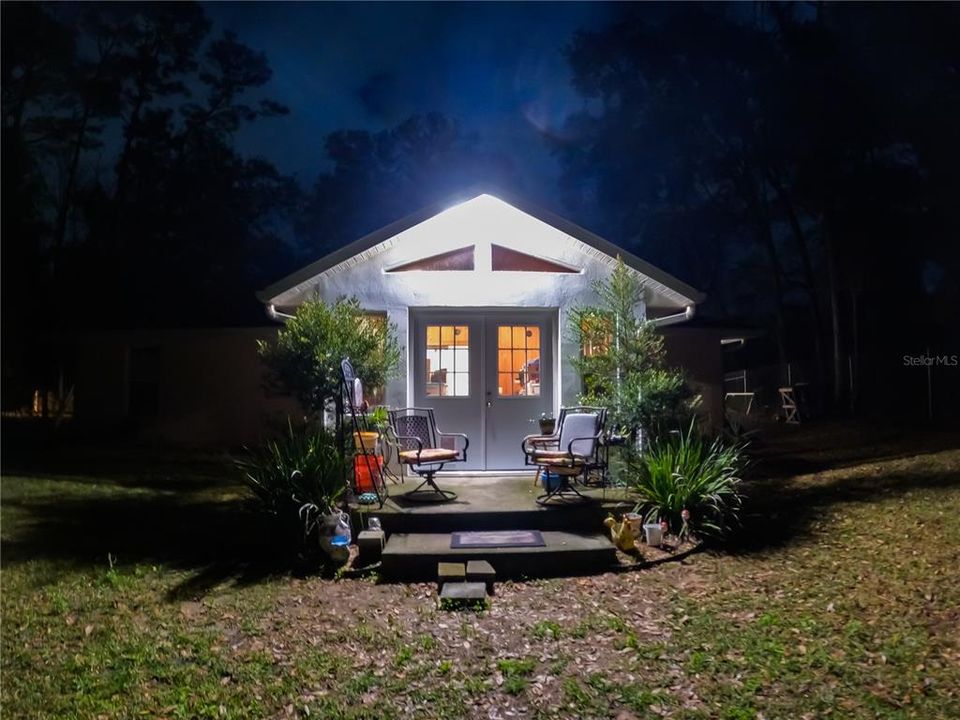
620 534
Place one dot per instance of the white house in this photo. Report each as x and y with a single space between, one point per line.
480 291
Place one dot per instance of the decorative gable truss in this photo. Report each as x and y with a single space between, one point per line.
470 243
502 259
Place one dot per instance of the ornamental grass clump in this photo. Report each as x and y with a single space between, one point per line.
690 483
298 477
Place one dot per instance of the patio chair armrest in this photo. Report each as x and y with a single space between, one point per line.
595 438
532 442
418 441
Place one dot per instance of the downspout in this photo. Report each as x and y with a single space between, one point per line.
276 315
688 312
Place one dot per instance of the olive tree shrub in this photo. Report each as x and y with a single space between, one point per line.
622 362
304 360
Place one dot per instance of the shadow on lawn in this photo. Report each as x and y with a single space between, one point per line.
181 509
783 451
148 468
220 541
778 512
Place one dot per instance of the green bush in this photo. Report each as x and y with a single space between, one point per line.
298 477
622 361
305 358
658 399
692 483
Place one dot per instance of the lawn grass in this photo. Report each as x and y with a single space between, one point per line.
127 595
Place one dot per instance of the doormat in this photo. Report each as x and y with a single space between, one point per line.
497 538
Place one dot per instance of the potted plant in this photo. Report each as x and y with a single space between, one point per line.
366 440
547 423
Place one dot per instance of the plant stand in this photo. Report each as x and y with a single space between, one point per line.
345 403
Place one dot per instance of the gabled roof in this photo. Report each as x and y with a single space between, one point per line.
367 242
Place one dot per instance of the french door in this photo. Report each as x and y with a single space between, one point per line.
486 373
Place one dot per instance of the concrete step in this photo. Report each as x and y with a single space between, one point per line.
494 503
414 556
456 595
587 517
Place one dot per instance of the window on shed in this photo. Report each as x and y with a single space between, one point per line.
518 360
459 259
502 259
374 395
596 333
447 361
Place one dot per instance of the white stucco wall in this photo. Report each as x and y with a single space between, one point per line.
480 222
366 276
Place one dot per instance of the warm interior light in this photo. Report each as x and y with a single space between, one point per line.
447 361
518 360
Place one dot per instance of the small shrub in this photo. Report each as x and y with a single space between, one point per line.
690 482
547 629
304 360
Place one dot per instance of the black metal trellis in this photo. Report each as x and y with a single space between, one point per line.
358 423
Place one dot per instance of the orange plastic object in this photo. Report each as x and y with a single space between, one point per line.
366 471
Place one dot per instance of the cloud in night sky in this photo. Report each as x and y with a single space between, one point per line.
497 68
379 95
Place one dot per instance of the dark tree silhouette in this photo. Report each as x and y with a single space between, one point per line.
175 227
383 176
772 158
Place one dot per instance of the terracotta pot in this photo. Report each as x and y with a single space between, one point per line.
369 441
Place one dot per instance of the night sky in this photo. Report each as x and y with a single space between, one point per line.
498 68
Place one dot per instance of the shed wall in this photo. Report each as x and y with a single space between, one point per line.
699 353
210 386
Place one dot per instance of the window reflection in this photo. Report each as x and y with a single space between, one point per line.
448 361
518 360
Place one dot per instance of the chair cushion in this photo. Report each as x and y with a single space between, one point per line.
579 425
551 455
565 461
427 455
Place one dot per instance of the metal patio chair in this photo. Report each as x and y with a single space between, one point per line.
425 450
574 450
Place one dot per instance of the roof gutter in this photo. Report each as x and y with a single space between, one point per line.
688 312
275 314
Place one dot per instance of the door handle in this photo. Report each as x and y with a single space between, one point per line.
489 403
